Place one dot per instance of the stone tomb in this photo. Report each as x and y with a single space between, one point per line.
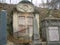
51 30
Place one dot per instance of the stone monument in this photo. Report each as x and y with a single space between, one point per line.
36 36
51 30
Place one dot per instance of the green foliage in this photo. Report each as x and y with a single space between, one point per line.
10 24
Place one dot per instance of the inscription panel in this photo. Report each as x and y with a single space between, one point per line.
53 34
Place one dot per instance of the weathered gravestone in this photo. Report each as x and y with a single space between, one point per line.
51 30
3 25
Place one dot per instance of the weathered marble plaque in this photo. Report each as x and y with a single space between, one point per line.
53 34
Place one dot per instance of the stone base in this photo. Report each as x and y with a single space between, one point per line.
53 43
